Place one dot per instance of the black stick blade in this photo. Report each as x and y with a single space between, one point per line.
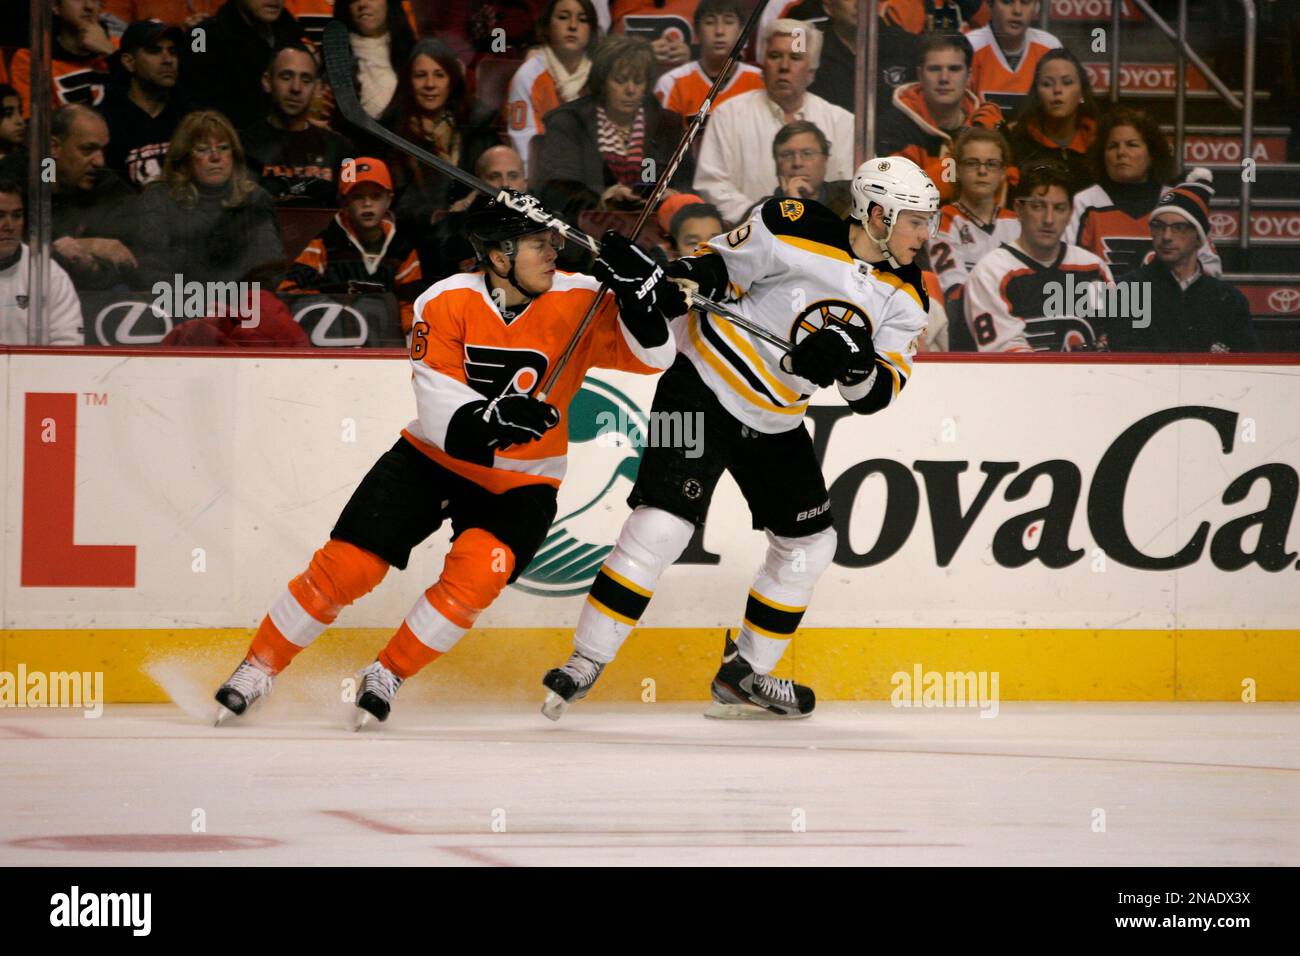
337 55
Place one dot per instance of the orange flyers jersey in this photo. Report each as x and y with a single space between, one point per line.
82 81
168 11
312 14
463 351
991 75
942 16
683 89
652 19
1119 239
532 95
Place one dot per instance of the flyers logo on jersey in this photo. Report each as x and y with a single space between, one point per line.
493 372
791 209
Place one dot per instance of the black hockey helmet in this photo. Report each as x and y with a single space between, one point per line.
497 226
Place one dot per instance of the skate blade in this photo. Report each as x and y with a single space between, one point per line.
719 711
223 714
361 718
554 706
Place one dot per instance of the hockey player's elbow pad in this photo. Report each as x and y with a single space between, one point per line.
708 273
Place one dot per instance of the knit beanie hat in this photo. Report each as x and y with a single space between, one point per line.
1191 200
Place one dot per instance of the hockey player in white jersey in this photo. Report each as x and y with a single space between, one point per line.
850 300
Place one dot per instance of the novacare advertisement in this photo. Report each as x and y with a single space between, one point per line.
183 492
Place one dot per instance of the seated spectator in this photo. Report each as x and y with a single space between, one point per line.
554 73
1022 296
206 219
903 25
362 250
664 24
745 126
928 114
973 224
144 114
1188 310
382 42
13 128
1007 51
718 24
691 226
91 207
79 51
63 323
1058 119
1134 166
187 13
433 108
223 61
447 249
837 75
296 161
801 152
609 148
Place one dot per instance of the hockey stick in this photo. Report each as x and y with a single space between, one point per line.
666 175
337 56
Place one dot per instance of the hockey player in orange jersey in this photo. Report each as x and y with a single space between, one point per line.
482 451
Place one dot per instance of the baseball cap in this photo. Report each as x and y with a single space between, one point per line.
147 32
366 169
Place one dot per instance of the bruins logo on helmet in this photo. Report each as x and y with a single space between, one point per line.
791 209
883 165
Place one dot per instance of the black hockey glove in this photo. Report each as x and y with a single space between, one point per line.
480 429
641 288
708 273
835 352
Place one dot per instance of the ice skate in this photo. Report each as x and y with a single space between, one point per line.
375 697
245 687
569 683
740 694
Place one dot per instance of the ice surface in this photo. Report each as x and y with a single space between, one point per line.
649 784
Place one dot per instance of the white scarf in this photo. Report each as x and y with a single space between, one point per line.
567 85
375 72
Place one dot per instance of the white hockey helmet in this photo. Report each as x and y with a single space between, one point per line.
894 183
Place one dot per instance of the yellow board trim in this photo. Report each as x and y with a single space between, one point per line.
504 664
630 585
817 248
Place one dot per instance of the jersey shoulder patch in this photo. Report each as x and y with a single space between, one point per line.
806 221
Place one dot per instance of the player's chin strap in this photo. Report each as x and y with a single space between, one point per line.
883 243
511 278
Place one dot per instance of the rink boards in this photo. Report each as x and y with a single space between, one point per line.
1089 531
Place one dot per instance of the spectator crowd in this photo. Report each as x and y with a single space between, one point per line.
199 139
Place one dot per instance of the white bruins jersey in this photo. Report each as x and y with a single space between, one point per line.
961 242
791 270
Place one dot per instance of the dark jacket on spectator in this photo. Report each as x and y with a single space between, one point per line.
206 242
571 169
1211 315
297 167
105 211
421 191
836 77
228 76
1029 147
